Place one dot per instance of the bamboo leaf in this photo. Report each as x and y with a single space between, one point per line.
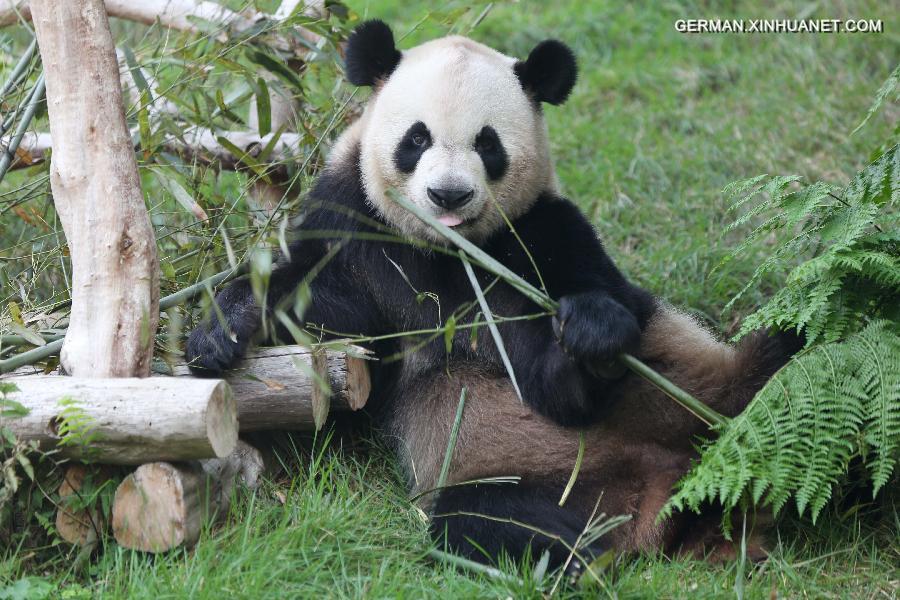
451 440
575 470
492 326
263 108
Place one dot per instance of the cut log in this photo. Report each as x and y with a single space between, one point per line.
85 525
126 421
162 506
159 506
274 387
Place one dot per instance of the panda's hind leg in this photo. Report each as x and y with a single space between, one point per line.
480 521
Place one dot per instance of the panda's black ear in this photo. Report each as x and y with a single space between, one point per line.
550 72
371 55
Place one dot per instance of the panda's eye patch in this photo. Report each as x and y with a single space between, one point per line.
492 153
413 144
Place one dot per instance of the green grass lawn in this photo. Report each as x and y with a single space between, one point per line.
658 124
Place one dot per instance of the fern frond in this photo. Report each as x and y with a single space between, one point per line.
828 405
878 357
851 237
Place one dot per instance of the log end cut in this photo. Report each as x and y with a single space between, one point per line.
359 386
154 508
221 422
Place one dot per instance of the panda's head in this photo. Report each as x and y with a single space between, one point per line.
456 127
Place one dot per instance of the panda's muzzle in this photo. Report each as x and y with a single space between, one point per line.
451 199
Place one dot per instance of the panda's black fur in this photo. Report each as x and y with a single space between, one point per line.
638 442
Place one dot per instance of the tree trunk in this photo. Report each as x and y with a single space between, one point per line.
126 421
97 192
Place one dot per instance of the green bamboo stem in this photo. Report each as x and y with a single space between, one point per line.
487 262
34 100
699 409
19 69
52 348
30 357
21 340
451 441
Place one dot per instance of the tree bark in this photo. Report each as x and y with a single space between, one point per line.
126 421
97 191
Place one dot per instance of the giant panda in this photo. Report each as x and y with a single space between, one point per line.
458 129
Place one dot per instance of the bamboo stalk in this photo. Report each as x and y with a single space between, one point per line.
37 94
487 262
19 68
699 409
20 340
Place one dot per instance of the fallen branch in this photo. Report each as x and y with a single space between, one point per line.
181 15
197 144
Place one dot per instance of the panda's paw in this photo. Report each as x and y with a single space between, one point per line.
594 329
210 350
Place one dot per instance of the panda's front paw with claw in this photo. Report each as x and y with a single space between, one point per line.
594 329
210 350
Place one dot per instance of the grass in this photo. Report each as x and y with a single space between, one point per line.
658 124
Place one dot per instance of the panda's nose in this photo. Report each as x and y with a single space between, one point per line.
450 199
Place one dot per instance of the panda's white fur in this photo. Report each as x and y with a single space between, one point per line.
455 86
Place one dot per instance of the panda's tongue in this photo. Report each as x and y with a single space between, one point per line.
450 220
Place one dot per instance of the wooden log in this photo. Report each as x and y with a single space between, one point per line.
86 525
126 421
274 387
164 505
97 194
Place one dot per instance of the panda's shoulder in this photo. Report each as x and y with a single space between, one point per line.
554 219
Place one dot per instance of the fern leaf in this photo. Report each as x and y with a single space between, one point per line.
878 356
883 92
796 438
